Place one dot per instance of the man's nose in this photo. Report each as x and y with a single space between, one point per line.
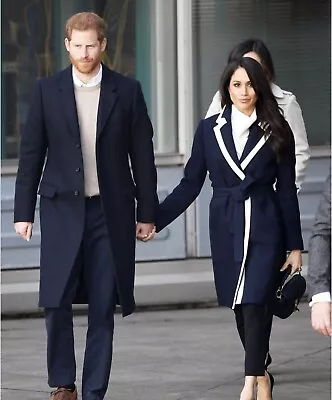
84 52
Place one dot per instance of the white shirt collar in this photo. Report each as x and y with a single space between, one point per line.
240 128
92 82
241 119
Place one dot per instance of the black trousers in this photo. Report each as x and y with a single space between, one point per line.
254 324
96 266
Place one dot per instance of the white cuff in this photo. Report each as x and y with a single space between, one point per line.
320 298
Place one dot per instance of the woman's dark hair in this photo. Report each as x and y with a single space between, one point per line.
259 47
267 109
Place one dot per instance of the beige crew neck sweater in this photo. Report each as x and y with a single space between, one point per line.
87 101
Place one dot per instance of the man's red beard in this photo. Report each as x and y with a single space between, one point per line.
85 66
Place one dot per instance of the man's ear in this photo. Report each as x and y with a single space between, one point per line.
67 43
103 44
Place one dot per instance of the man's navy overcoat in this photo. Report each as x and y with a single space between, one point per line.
124 132
251 224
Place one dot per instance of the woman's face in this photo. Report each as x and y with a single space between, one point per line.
241 92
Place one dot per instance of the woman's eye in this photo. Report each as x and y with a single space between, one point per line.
236 84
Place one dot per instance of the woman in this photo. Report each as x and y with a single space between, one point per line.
257 50
246 149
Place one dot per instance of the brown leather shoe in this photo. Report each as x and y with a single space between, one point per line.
63 394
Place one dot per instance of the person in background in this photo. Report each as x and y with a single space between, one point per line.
256 48
245 149
86 122
319 269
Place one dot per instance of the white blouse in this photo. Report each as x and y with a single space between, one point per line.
240 127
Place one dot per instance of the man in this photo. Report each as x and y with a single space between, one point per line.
319 270
87 121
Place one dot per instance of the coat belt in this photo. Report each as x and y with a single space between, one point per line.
235 211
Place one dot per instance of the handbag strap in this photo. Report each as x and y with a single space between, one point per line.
289 277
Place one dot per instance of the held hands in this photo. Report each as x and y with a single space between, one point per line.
145 232
321 318
24 229
294 260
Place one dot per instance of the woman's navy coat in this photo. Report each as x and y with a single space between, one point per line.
251 223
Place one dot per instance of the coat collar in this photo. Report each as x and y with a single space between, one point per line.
277 91
224 136
68 102
255 134
107 100
224 123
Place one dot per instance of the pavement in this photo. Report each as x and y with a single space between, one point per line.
188 354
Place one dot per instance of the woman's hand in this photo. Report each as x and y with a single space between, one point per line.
144 231
294 260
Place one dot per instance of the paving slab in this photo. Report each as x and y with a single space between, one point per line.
175 355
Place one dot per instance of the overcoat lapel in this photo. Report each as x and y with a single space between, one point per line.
68 102
224 136
255 135
107 100
225 141
255 144
227 135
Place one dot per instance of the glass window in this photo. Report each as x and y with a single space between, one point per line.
33 47
298 36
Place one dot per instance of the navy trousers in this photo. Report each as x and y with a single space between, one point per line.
95 265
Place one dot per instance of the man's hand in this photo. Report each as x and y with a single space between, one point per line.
145 232
321 317
24 229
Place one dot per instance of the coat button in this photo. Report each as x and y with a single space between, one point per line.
77 145
76 193
78 169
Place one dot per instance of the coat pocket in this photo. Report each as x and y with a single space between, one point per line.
47 190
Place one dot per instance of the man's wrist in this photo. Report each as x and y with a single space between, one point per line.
323 297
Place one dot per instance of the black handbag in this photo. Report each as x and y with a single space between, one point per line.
289 294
